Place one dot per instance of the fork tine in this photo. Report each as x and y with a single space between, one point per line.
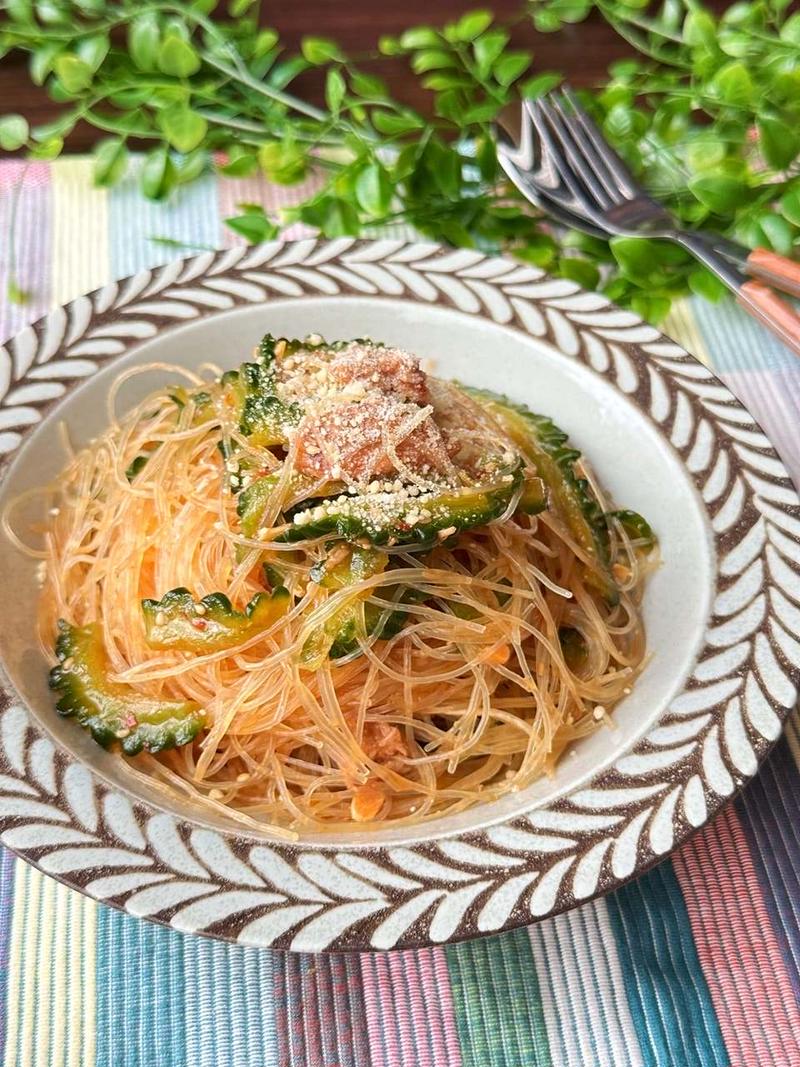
591 166
583 173
612 160
551 153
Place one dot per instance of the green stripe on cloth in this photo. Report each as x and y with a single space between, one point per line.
497 1003
667 992
141 1013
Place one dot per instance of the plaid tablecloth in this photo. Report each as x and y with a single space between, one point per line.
697 964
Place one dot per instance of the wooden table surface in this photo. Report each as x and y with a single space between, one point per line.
583 52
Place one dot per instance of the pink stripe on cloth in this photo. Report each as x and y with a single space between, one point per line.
741 959
410 1012
257 190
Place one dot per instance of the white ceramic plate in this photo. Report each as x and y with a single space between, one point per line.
664 436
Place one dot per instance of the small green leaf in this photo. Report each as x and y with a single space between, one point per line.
253 226
191 166
73 73
183 128
110 161
395 124
374 190
265 41
50 13
699 28
719 193
511 66
49 149
332 216
735 43
93 50
283 162
432 59
479 113
42 59
157 177
790 204
319 50
473 23
16 294
177 57
733 85
539 249
389 46
19 10
144 38
488 48
704 153
335 90
13 132
581 271
778 232
367 85
238 8
790 31
241 163
779 142
420 37
539 84
652 307
443 80
705 284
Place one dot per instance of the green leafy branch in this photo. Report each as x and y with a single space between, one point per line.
707 113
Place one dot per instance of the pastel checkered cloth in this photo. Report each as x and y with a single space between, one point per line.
697 964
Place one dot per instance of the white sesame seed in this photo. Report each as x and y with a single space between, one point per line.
314 339
161 618
215 794
626 691
262 534
68 663
54 512
200 609
280 348
243 777
232 466
599 712
444 534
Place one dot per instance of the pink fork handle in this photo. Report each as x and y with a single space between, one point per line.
776 270
771 311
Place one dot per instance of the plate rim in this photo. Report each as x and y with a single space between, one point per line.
516 871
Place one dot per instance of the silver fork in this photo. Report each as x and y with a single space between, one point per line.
562 162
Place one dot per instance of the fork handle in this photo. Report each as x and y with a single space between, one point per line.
776 270
776 314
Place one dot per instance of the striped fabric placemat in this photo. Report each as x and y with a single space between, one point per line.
696 964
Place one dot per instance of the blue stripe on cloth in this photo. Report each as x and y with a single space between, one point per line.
770 814
191 216
667 992
736 342
140 993
6 906
229 1007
